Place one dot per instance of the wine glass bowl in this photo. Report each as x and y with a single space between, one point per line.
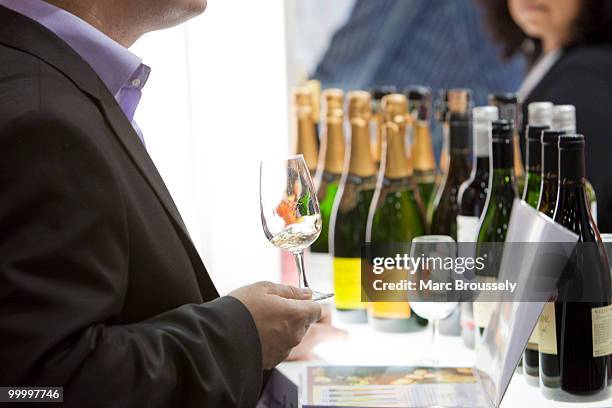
289 208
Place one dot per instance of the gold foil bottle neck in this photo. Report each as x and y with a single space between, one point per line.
359 105
395 108
422 149
396 162
315 95
334 131
306 138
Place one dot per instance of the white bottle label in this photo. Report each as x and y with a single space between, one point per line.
547 330
467 228
602 330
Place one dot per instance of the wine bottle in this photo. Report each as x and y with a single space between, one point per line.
472 198
574 356
331 156
378 93
451 101
533 179
546 205
550 172
509 109
396 212
446 203
306 129
564 118
350 213
473 192
495 218
422 153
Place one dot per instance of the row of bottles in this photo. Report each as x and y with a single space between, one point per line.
375 167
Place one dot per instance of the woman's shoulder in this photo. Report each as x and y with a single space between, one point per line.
591 56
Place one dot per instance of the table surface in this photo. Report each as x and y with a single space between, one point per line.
365 346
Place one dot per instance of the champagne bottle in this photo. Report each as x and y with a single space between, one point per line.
422 154
496 216
472 199
533 180
350 212
473 192
378 93
451 101
446 204
306 129
315 95
331 156
396 212
574 356
564 118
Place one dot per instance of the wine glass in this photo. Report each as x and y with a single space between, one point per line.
289 208
434 304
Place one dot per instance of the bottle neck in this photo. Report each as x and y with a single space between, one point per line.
571 168
422 149
502 152
333 147
481 143
396 161
361 163
307 144
550 161
534 156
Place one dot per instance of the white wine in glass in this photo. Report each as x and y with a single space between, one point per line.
290 213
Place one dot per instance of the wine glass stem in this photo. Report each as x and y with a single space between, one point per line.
299 262
435 340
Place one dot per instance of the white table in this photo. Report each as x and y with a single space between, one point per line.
368 347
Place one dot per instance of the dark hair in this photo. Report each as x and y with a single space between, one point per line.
594 26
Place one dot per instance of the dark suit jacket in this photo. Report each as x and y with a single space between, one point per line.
583 77
101 288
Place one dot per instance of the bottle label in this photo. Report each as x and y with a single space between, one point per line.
390 310
602 328
467 228
547 330
347 283
532 344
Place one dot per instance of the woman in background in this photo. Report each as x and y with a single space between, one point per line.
568 44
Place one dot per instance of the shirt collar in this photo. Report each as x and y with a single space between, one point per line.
116 66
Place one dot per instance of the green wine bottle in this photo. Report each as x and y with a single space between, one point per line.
350 213
533 180
446 204
550 172
496 216
332 158
422 153
396 212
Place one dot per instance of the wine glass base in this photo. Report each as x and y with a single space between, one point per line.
320 296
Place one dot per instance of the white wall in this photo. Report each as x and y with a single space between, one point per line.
216 103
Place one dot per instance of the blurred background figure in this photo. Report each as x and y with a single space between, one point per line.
441 44
568 45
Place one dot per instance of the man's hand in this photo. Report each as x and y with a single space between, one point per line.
320 332
282 315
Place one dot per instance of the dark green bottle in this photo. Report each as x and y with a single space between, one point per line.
550 172
446 205
396 213
496 216
533 179
350 214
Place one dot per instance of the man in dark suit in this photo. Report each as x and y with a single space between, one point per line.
101 289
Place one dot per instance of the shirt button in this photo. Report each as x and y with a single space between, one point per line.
136 82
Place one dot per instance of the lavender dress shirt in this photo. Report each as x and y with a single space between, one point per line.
122 72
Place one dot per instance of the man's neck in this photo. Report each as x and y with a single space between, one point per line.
105 16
